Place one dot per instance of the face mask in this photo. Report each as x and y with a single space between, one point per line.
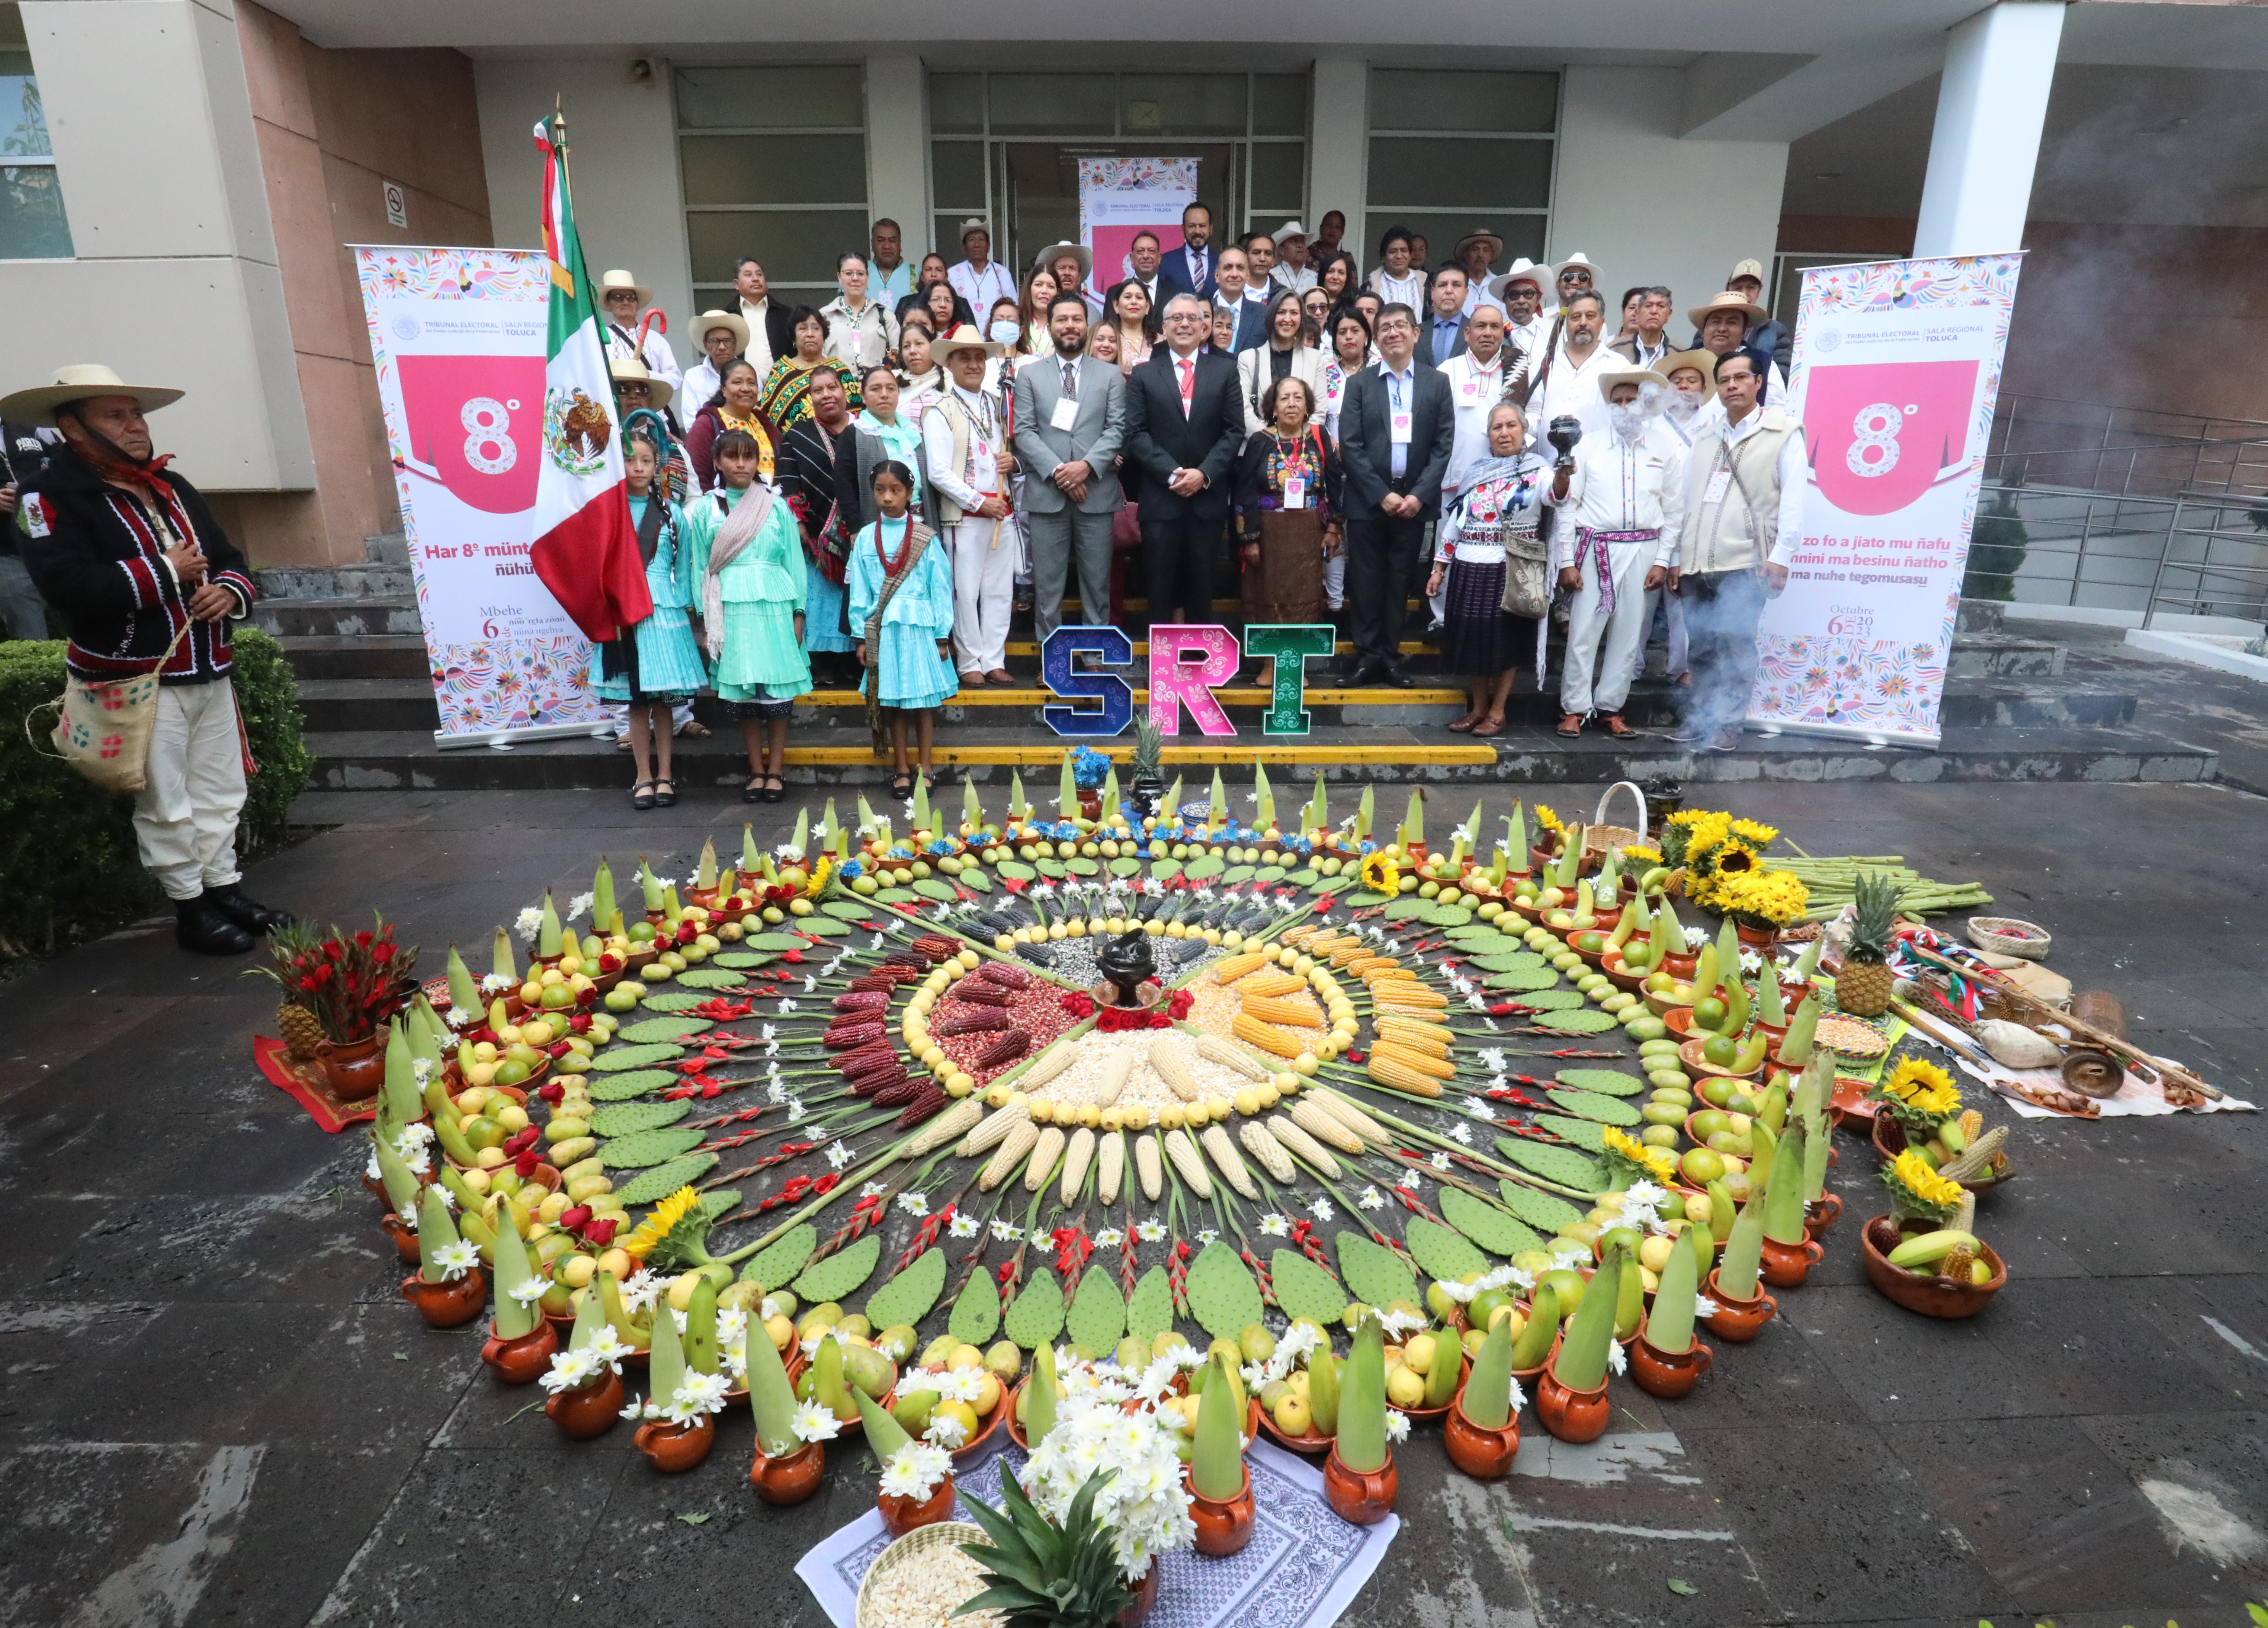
1004 333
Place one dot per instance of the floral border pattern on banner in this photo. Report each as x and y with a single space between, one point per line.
1138 174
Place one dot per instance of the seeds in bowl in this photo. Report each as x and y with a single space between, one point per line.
923 1591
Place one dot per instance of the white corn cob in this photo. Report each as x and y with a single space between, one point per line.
1021 1134
1227 1056
1075 1158
988 1134
1290 1136
1147 1167
1308 1114
1169 1056
1264 1147
1110 1167
1183 1152
1115 1072
1355 1120
1046 1066
1044 1153
961 1117
1224 1155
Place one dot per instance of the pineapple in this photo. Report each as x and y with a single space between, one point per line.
300 1031
1862 988
1149 749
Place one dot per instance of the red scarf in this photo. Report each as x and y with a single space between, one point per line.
105 457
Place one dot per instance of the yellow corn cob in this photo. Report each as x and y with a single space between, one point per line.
1363 966
1147 1167
1294 1014
1290 1137
1353 1118
1395 1027
1235 967
1324 1126
1413 995
1018 1142
1045 1152
958 1120
1272 984
1183 1152
1253 1032
1214 1049
1388 972
1346 954
988 1134
1425 1045
1110 1167
1402 1070
1172 1062
1300 937
1046 1066
1265 1147
1115 1075
1972 1123
1224 1156
1075 1158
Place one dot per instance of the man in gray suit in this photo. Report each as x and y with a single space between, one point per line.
1070 418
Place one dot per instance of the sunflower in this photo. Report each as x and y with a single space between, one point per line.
1735 858
1913 1074
1641 854
661 1223
1757 834
821 873
1380 875
1912 1173
1545 818
1656 1162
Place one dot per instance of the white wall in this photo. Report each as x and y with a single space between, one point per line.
897 148
1339 146
1647 207
622 159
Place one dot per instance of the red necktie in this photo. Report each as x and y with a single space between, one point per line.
1189 383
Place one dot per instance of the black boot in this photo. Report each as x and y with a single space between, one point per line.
249 914
200 926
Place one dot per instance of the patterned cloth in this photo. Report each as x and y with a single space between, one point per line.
1478 638
665 664
785 398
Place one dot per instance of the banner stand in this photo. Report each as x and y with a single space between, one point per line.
505 740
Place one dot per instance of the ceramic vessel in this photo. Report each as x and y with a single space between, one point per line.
1786 1266
902 1515
1738 1320
448 1305
354 1070
588 1410
1145 1599
1484 1454
676 1448
1569 1414
1890 1141
522 1360
790 1478
1225 1524
405 1241
1820 1214
1932 1297
1660 1373
1360 1499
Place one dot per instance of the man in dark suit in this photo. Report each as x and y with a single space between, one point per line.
1193 268
1442 334
769 327
1232 294
1396 428
1070 418
1184 423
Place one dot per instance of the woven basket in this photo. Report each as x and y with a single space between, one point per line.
1599 836
913 1545
2005 935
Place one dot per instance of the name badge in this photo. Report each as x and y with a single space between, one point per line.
980 449
1400 423
1295 493
1065 415
1470 390
1721 480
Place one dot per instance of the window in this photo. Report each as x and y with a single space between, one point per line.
773 163
31 223
1451 152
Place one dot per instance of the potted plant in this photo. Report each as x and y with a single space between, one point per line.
1062 1572
1359 1480
1538 1339
916 1489
792 1437
1220 1482
677 1419
1482 1432
1787 1251
583 1388
1918 1106
447 1288
1667 1358
1760 903
349 986
1743 1308
520 1341
1085 769
1571 1398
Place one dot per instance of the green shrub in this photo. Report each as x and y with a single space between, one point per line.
68 866
1996 551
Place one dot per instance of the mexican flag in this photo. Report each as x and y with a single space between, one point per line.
583 549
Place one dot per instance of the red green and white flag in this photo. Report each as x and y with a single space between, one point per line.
583 549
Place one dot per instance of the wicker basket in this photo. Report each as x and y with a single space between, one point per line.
919 1542
1599 836
2005 935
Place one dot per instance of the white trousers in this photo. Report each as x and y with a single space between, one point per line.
1335 581
185 816
985 556
1623 634
680 715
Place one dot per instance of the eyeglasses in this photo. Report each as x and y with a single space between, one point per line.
1184 316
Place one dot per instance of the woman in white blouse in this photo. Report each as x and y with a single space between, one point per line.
1289 353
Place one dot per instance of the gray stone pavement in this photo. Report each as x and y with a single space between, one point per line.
219 1410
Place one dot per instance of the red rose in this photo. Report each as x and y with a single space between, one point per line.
601 1232
573 1218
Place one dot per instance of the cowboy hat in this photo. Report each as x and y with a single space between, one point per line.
965 337
1752 268
611 281
1045 260
1523 271
1727 301
1638 376
1702 362
973 224
1289 229
1478 235
75 382
708 321
628 370
1576 261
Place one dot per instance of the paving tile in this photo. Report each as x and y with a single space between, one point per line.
2205 1474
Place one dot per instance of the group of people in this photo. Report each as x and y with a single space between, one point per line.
942 442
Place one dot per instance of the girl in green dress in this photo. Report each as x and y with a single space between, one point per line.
900 585
747 557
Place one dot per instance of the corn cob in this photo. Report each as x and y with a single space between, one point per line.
1397 1028
1075 1158
1045 1067
1344 954
1354 1119
1363 966
1007 1049
1403 1070
1235 967
1303 938
1253 1032
1226 1157
1115 1072
1309 1116
1423 1045
1276 983
1021 1134
1292 1139
1172 1062
994 1129
1971 1122
1264 1147
1045 1152
1146 1165
1292 1013
1110 1167
1183 1152
1409 996
1214 1049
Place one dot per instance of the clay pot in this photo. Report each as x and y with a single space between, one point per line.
1786 1266
1761 938
447 1304
1223 1524
1665 1373
405 1241
587 1410
1611 964
354 1070
1360 1499
520 1361
790 1478
902 1515
1932 1297
1090 803
1738 1320
676 1448
1820 1214
1569 1414
1145 1599
1484 1454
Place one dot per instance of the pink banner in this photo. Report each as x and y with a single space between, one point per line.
1186 661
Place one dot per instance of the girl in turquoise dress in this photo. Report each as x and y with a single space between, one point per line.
900 586
659 664
747 558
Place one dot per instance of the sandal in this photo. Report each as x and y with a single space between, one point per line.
937 777
665 799
1619 729
1570 725
642 795
902 786
1489 727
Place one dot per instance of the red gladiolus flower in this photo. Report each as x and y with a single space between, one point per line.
601 1232
826 1184
362 938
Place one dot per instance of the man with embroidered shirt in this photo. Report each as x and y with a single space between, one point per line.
133 560
980 280
966 457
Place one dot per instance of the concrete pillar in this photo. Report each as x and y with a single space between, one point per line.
2000 66
897 148
1338 145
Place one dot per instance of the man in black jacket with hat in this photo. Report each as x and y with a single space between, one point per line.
133 560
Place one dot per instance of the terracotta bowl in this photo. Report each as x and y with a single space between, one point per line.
986 1426
1890 1138
1691 1054
1932 1297
1611 964
1662 1004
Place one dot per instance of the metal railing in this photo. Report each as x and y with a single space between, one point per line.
2043 440
2199 552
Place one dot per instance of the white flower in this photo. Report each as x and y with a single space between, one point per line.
641 1290
1461 1293
697 1396
1207 1236
959 1385
810 1345
731 1326
1617 1360
913 1204
775 1093
569 1369
795 1110
456 1259
1007 1231
1440 1160
1110 1238
1402 1321
963 1225
1476 1004
608 1347
1696 936
1460 1132
1274 1226
527 1292
770 1309
1320 1209
838 1155
810 983
788 852
1479 1109
1398 1426
1570 1253
1370 1198
1412 1181
914 1471
1703 1307
945 1431
787 1006
496 983
1643 1198
1150 1231
814 1423
527 924
576 905
421 1069
873 1190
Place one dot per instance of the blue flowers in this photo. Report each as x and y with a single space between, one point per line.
1089 768
943 847
850 869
